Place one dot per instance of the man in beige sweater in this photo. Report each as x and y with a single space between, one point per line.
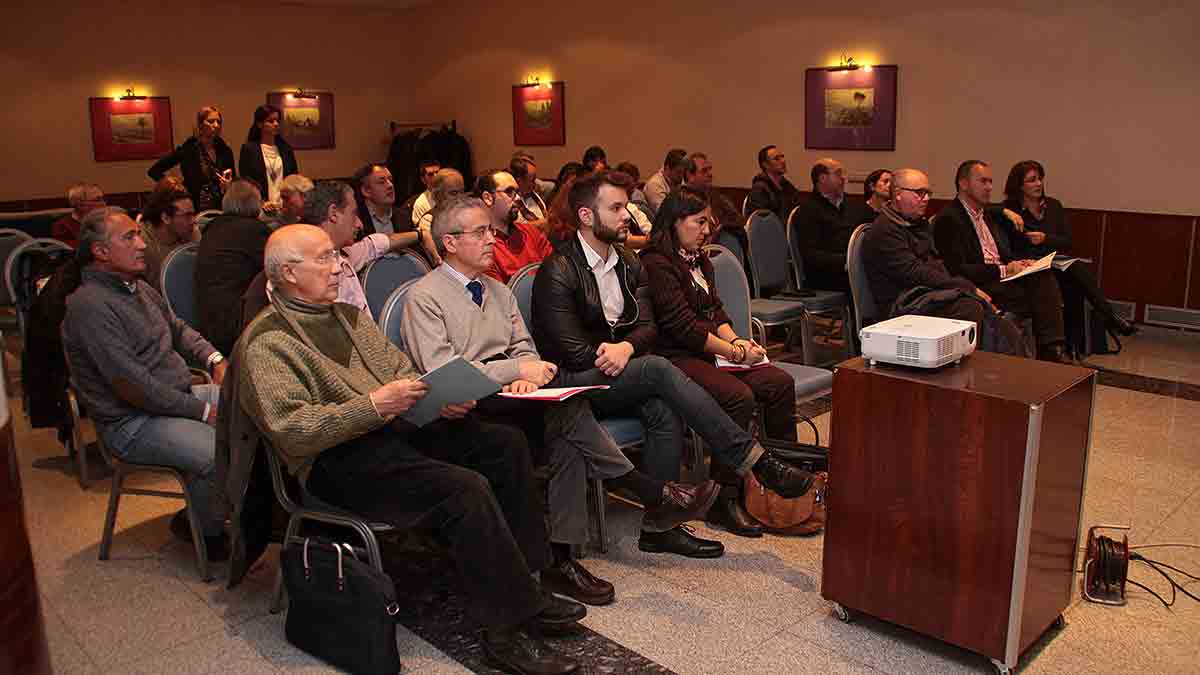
458 310
327 389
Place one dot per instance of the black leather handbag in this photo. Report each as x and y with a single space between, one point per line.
340 610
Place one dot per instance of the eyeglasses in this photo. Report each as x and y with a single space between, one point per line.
326 258
481 232
921 193
511 192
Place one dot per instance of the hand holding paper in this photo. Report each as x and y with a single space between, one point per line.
397 396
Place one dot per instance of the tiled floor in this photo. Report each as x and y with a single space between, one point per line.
757 610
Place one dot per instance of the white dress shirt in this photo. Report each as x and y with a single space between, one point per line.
611 297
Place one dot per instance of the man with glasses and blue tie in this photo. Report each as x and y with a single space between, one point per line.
518 242
457 310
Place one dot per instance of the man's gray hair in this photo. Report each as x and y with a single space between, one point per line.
438 186
280 251
79 192
94 230
447 218
295 183
242 199
324 194
903 176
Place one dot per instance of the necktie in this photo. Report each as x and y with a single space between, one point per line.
476 289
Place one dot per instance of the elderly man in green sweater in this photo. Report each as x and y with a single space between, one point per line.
458 310
328 389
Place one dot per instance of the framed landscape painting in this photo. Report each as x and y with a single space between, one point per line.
539 114
131 129
307 122
850 109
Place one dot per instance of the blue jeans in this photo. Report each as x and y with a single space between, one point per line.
652 389
184 444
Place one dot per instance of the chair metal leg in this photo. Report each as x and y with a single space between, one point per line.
110 518
197 533
81 460
599 501
806 339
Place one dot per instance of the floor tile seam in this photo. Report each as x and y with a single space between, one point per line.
1169 516
127 659
50 605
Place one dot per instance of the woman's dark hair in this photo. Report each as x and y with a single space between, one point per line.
1016 177
261 113
592 155
872 179
683 201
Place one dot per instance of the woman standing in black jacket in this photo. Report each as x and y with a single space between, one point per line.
266 158
1046 230
205 161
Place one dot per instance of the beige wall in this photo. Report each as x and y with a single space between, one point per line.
1104 93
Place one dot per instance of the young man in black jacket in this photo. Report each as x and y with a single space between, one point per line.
770 189
593 318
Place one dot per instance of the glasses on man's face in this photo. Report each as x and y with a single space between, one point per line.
326 258
511 192
481 232
921 193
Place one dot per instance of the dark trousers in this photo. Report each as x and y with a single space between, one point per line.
1078 286
1036 295
970 309
468 482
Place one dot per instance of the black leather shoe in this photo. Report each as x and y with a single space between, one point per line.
728 513
780 477
680 504
1055 353
558 613
572 579
1121 326
518 651
680 541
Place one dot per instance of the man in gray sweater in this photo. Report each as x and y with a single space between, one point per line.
457 310
128 355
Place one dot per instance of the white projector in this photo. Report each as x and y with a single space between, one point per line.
921 341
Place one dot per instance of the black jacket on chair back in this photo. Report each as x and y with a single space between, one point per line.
568 317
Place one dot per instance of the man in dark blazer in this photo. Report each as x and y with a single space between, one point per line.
973 239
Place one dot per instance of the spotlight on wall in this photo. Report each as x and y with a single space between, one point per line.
535 81
847 63
300 94
131 96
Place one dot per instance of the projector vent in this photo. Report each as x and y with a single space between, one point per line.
908 350
945 346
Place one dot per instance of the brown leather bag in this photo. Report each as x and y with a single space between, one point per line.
803 515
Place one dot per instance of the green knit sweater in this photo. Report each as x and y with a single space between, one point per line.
308 400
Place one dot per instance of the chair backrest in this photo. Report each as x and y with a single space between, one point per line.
542 202
205 217
860 287
746 206
178 283
392 314
768 252
521 284
278 480
793 240
388 273
10 239
732 287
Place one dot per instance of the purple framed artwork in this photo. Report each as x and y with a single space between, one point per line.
131 128
539 114
307 122
850 109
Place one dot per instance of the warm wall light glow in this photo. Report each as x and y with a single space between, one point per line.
116 91
542 79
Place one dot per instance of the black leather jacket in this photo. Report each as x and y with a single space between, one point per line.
568 319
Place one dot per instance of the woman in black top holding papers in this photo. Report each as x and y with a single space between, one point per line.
693 331
1046 230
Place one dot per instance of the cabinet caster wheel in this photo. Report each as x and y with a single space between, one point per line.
1001 669
842 613
1059 623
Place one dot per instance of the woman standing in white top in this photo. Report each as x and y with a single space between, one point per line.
266 158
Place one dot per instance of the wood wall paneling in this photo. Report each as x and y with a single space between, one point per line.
1194 289
1146 258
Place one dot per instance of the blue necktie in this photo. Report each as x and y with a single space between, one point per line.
476 289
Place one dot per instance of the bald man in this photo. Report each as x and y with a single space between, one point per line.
328 390
823 224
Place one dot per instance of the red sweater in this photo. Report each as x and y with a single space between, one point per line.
523 245
66 230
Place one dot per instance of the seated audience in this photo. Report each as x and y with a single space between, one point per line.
424 202
168 222
637 196
972 239
265 157
568 172
595 159
83 199
446 183
329 391
543 188
229 257
877 189
375 196
457 311
128 356
899 255
822 226
669 177
594 319
1044 229
693 329
530 206
292 191
517 243
771 190
698 175
205 161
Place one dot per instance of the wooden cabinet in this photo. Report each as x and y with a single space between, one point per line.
954 508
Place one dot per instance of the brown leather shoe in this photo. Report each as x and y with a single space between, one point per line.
520 651
572 579
680 504
729 513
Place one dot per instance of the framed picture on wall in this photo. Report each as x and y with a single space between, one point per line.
131 128
307 122
850 109
539 114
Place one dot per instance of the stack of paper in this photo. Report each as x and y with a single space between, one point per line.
553 394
